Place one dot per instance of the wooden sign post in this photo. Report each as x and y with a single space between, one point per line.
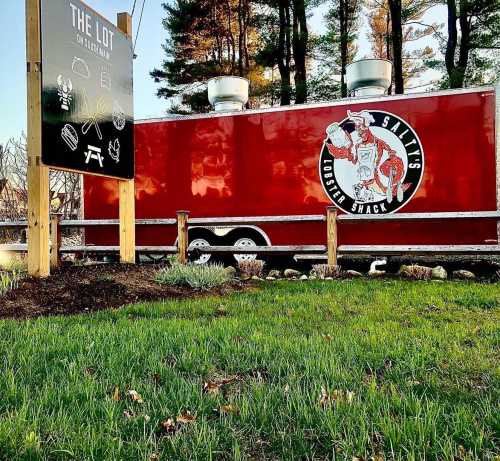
37 174
126 188
80 113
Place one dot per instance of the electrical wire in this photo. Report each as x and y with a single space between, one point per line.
139 25
133 8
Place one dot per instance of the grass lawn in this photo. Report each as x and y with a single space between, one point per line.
313 370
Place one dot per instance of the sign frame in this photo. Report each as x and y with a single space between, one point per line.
38 173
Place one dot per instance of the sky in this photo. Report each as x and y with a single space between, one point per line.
148 50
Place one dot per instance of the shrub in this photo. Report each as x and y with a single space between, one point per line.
251 268
197 276
9 281
323 271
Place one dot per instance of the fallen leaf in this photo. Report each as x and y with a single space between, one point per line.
89 371
377 457
221 312
358 458
135 396
116 394
286 389
168 426
327 337
129 414
186 417
336 396
213 387
156 378
229 409
154 457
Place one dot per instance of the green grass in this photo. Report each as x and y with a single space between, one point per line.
421 359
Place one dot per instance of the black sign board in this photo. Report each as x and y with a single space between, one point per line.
87 102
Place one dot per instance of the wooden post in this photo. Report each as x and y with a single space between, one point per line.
182 236
126 188
331 234
55 234
37 174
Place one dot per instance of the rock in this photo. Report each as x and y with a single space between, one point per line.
275 273
303 277
289 273
255 277
313 277
353 274
439 273
463 275
374 272
270 278
415 271
328 278
230 270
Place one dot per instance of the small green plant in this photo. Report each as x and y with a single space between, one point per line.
197 276
251 267
9 280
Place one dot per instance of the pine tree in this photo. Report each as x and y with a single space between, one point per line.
207 38
412 63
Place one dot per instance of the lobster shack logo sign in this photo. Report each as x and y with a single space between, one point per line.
371 162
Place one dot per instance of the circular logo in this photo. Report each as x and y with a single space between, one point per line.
371 162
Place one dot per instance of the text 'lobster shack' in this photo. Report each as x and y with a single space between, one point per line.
369 154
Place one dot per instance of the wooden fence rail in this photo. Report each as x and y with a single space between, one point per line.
331 219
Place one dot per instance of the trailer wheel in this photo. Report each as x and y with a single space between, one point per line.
245 238
199 238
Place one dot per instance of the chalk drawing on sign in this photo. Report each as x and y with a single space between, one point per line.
105 80
93 153
64 89
114 150
80 67
92 118
69 136
118 117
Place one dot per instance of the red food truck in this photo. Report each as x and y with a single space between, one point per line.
424 152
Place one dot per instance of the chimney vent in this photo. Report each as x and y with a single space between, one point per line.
228 93
369 77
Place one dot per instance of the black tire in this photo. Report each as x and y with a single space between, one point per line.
242 233
201 234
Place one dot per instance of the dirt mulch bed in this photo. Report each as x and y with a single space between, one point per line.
84 289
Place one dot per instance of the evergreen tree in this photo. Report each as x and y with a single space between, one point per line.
412 63
207 38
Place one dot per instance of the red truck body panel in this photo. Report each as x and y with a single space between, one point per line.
267 163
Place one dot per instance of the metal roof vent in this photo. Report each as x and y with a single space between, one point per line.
369 77
228 93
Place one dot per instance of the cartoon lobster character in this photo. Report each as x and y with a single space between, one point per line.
366 153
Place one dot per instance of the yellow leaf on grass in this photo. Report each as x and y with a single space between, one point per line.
186 417
116 394
229 409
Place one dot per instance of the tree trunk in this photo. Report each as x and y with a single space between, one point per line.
456 70
388 53
300 38
284 51
241 33
397 45
343 12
